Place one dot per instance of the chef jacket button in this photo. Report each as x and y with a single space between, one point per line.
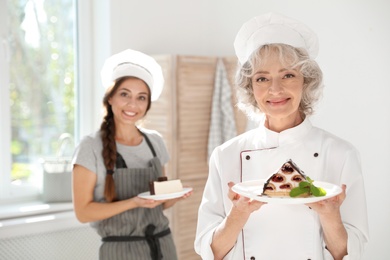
315 155
253 258
248 157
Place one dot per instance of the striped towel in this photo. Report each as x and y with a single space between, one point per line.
222 124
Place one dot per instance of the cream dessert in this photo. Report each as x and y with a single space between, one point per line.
163 186
284 180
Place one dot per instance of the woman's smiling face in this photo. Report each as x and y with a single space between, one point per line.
130 101
277 89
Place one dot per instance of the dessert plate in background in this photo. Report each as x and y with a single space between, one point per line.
254 189
146 195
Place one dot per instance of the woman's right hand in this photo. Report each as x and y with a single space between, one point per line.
225 235
243 204
147 203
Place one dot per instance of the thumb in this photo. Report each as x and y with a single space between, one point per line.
231 184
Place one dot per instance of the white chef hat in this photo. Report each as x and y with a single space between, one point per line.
273 28
136 64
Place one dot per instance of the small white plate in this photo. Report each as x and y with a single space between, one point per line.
146 195
254 189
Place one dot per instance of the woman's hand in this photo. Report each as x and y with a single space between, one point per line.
147 203
188 194
169 203
335 234
225 235
243 204
329 206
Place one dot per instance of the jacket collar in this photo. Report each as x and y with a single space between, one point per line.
268 138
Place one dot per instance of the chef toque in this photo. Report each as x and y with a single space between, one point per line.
136 64
273 28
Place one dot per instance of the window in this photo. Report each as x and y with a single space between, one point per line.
38 94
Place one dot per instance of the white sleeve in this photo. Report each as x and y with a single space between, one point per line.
354 208
211 210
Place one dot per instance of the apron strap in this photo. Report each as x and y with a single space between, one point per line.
120 162
151 239
149 144
153 242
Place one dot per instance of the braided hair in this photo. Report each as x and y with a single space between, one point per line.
107 133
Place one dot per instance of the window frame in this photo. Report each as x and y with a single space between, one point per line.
5 111
88 96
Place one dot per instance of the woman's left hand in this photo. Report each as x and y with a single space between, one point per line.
188 194
331 205
335 234
170 202
147 203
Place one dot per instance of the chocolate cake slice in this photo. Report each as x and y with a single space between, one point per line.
284 180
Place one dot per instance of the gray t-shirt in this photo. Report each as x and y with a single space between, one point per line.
89 155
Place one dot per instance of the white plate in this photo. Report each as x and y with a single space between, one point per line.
254 189
146 195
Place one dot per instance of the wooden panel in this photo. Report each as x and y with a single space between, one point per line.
162 115
195 81
186 218
182 115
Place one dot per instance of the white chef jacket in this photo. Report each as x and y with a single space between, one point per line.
283 231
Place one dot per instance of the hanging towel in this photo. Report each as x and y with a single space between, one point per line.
222 123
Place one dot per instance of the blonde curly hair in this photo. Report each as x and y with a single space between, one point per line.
290 57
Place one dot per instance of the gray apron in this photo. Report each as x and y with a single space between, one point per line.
139 233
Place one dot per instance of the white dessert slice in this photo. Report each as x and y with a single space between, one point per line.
166 187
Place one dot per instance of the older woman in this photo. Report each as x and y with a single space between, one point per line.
279 82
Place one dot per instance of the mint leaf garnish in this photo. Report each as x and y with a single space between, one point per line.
304 184
307 187
295 192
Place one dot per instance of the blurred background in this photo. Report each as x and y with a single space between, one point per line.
50 97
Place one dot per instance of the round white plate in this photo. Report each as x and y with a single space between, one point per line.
254 189
146 195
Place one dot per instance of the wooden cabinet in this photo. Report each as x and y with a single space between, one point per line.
182 116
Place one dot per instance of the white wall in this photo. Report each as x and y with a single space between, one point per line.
354 54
